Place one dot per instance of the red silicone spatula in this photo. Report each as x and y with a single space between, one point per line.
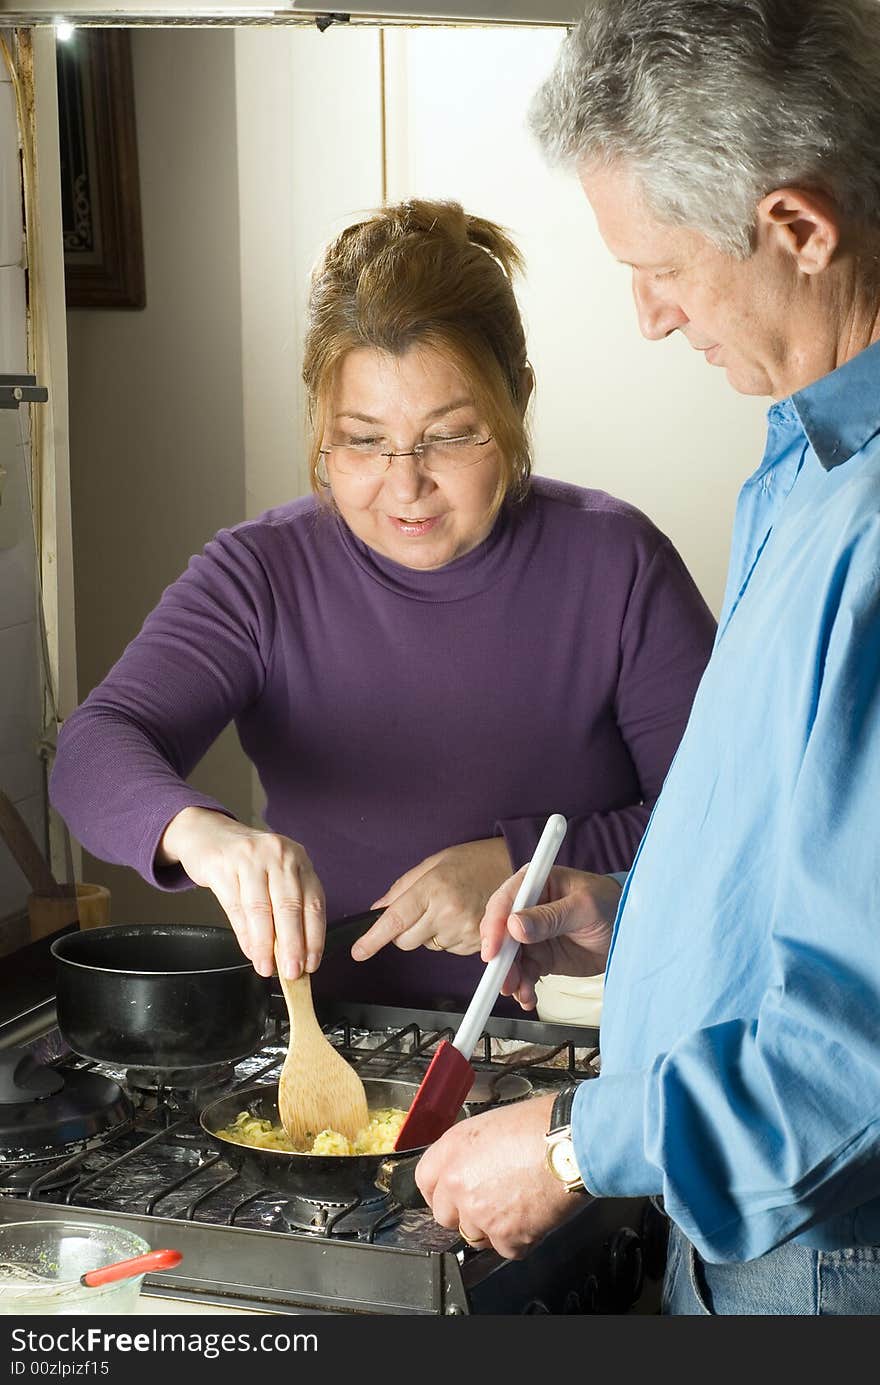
450 1075
127 1269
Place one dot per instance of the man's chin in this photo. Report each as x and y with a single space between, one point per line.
745 381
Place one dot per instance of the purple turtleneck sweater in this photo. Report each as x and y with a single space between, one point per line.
392 712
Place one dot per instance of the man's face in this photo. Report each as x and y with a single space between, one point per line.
739 313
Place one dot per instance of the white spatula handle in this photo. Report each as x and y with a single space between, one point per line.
529 892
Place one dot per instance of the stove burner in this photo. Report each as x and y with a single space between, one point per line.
48 1108
342 1219
23 1079
498 1087
17 1179
165 1080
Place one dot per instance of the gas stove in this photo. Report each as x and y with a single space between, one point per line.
128 1149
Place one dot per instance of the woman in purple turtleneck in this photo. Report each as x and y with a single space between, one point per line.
422 662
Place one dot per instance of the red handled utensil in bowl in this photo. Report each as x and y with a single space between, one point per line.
450 1074
127 1269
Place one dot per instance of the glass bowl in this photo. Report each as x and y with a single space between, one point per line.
41 1262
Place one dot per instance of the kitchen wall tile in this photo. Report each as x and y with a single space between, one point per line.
21 769
18 602
13 321
14 933
21 772
14 888
10 180
20 696
18 578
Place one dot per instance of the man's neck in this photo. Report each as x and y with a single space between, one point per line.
851 331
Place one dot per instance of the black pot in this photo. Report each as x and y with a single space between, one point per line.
158 995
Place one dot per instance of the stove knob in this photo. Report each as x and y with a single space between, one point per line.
536 1306
624 1270
590 1294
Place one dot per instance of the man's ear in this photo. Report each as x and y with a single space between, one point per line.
805 224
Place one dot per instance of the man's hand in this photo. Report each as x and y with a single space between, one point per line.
439 903
567 935
265 882
488 1177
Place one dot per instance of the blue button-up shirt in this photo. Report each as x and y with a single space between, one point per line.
741 1026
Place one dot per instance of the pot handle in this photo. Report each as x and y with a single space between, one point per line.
398 1177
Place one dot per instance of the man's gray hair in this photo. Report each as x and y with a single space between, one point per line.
714 103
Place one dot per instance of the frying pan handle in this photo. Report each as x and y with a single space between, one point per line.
398 1177
346 931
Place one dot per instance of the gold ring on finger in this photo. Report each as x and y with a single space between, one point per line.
471 1240
436 945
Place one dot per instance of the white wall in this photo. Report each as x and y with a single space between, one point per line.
650 422
308 114
301 159
157 438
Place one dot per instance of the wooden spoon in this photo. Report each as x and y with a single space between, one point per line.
317 1089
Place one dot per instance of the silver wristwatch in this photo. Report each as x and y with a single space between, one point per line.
559 1155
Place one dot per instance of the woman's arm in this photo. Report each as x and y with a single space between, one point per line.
123 756
120 775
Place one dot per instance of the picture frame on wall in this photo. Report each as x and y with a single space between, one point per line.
100 190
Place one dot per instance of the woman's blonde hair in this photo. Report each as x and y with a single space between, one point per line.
425 274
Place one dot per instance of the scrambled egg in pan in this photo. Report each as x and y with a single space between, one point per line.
377 1137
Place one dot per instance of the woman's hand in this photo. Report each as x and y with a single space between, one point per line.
488 1177
439 903
265 883
567 935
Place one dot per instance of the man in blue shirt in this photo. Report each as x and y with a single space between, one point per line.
730 150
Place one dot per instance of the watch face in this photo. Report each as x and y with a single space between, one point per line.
563 1164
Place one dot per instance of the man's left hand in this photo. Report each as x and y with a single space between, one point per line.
439 903
487 1176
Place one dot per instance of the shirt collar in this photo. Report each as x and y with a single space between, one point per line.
841 412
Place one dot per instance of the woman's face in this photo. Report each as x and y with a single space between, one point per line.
419 518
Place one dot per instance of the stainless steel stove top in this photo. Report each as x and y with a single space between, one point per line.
255 1247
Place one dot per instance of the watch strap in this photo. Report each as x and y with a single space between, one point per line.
560 1116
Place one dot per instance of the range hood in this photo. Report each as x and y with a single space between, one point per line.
380 12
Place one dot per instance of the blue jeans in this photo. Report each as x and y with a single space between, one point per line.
792 1279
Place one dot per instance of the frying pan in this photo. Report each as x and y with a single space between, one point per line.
327 1177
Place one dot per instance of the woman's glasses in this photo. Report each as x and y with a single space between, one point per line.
372 457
